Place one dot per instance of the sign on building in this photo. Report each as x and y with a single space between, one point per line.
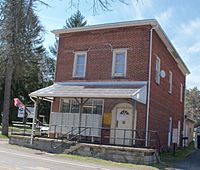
175 135
30 112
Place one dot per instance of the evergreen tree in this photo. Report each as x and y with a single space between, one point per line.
22 51
76 20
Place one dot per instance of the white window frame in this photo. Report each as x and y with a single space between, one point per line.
181 92
75 62
170 82
157 76
115 51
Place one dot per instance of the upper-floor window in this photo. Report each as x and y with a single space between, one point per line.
170 82
119 63
79 64
181 92
157 78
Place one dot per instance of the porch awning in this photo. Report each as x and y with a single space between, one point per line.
126 90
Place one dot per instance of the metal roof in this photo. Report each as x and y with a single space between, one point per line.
65 90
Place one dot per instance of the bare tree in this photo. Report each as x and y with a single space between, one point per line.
96 5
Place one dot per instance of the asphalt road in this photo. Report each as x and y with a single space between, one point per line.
192 162
19 158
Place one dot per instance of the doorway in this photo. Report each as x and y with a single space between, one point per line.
122 125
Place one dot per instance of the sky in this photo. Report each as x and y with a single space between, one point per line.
180 19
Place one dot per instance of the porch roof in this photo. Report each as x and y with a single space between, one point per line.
126 90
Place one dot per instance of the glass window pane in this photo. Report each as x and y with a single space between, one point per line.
80 59
79 70
87 109
97 109
74 107
119 69
120 58
65 107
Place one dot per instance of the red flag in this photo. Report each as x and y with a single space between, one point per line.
18 103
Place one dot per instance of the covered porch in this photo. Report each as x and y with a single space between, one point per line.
82 113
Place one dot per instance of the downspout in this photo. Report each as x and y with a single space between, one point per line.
149 85
33 122
184 117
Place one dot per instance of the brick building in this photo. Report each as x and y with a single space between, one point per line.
120 83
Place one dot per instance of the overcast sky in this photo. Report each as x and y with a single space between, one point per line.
180 19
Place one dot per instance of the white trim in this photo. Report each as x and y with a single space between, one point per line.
75 63
157 70
170 131
179 132
181 92
115 51
106 26
170 82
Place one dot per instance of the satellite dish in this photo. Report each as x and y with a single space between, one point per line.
162 73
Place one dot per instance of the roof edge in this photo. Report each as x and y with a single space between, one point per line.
152 22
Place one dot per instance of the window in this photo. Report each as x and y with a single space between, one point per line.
157 70
119 63
90 107
181 92
79 64
170 82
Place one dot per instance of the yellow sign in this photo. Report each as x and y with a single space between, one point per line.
107 118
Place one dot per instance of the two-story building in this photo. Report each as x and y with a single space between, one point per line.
121 83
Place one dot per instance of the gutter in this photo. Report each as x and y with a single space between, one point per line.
149 85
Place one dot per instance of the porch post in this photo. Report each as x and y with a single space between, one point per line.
80 116
34 117
134 121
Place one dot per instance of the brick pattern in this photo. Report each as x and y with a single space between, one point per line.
99 55
162 104
99 68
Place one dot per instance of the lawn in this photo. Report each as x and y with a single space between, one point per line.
3 136
108 163
167 158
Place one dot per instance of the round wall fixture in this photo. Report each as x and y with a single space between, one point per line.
162 73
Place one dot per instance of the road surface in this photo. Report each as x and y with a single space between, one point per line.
13 157
192 162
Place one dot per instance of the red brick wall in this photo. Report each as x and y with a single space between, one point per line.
99 68
56 107
162 104
99 56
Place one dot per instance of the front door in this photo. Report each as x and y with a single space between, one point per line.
124 124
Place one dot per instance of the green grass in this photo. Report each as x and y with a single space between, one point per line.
180 154
108 163
168 159
3 136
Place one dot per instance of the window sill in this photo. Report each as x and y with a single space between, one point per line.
119 77
78 78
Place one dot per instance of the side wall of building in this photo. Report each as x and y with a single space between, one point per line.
164 105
